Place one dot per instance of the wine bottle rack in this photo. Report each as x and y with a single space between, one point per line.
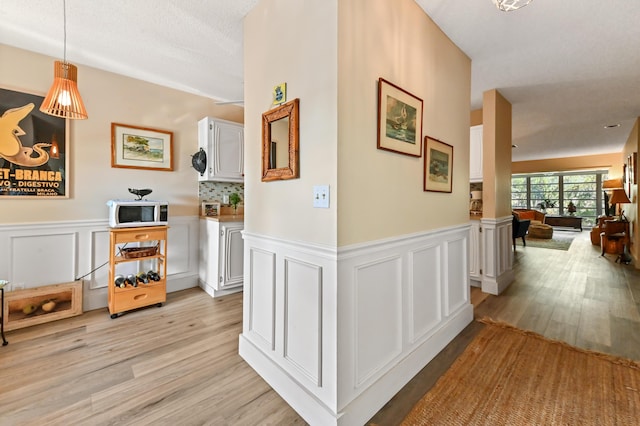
152 242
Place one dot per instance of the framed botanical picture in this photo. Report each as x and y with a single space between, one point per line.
399 120
141 147
438 165
210 209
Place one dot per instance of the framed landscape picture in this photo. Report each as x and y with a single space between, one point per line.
399 120
141 147
438 165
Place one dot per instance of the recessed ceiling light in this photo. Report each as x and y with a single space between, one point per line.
612 126
514 146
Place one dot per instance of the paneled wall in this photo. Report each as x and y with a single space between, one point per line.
399 301
43 253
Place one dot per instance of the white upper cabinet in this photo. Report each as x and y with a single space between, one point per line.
475 154
223 143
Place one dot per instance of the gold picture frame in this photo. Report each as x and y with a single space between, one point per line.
399 120
438 165
134 147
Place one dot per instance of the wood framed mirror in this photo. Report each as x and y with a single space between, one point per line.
280 132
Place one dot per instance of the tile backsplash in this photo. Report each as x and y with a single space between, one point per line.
214 191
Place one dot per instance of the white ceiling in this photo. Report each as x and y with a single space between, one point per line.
568 67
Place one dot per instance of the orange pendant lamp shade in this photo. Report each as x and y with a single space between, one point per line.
63 99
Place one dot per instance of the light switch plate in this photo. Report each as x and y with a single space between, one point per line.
321 196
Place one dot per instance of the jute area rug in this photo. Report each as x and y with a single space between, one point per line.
508 376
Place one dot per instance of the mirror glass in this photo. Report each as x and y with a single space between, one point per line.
279 149
280 142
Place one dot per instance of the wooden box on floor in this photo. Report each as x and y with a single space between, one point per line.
67 298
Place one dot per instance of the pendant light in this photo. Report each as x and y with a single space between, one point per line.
510 5
63 99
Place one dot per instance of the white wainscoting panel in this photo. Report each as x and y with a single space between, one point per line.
289 326
425 291
497 254
179 237
377 310
367 317
262 291
46 253
38 260
303 318
457 290
99 260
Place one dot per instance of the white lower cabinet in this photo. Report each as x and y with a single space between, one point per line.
221 257
475 253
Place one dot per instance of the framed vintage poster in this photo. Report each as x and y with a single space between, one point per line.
438 165
33 149
210 209
399 120
141 147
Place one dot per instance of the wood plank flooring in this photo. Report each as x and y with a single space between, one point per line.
175 365
179 364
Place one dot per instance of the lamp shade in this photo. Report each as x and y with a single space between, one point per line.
612 183
618 196
63 99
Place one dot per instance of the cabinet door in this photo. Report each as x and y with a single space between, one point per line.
225 151
475 154
231 261
209 244
475 251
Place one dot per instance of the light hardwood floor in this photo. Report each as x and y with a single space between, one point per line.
174 365
179 364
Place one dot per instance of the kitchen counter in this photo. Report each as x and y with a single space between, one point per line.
225 218
475 216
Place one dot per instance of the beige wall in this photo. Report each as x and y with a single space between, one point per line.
380 192
610 162
496 155
339 52
111 98
302 40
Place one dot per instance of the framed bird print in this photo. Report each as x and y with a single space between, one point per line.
399 120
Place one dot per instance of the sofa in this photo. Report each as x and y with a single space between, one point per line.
535 216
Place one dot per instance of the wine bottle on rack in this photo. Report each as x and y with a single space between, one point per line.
142 278
154 276
131 280
119 281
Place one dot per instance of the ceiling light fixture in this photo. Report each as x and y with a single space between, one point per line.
63 99
612 126
510 5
